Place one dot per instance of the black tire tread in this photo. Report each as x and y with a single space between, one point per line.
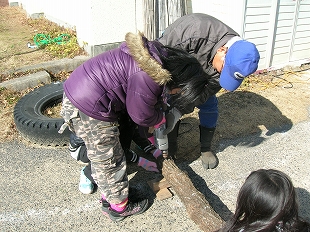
32 124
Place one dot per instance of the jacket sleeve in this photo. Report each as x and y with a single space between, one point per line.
144 100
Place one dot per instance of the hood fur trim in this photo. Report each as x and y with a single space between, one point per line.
145 61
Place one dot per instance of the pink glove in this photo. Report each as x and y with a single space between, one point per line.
147 165
161 122
152 139
157 153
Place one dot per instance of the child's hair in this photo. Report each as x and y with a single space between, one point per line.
186 74
266 202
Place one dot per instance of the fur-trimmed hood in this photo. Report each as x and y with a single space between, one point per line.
147 54
125 79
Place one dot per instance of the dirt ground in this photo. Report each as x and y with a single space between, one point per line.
269 102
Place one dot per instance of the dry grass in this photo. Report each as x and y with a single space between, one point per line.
16 30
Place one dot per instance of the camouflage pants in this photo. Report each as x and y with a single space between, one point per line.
108 163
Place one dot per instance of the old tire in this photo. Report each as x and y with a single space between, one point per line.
32 124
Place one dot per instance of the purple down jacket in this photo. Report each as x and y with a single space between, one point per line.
129 78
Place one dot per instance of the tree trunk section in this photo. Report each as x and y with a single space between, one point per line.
197 207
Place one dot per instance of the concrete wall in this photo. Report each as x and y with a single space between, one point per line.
228 11
99 24
279 28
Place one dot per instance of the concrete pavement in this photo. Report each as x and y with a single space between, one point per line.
39 185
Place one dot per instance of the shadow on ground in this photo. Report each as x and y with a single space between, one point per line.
304 203
241 114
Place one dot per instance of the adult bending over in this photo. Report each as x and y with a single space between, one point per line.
224 56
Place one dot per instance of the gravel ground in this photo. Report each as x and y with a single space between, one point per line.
39 185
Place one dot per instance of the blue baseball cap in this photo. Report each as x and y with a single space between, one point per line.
241 60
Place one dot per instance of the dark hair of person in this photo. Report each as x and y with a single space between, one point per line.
186 73
266 202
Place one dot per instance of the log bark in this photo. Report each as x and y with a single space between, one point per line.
197 207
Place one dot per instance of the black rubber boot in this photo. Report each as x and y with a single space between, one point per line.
208 159
173 141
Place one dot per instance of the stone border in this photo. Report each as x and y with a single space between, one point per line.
42 75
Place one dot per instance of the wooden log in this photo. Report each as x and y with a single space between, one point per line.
197 207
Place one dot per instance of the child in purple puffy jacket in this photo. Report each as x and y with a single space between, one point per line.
135 79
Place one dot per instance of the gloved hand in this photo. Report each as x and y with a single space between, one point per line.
147 165
159 124
151 129
171 119
157 153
